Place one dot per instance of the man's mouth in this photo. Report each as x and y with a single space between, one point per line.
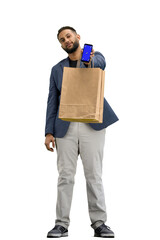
69 45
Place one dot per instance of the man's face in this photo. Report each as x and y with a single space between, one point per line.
69 40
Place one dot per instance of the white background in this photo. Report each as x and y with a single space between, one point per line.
128 35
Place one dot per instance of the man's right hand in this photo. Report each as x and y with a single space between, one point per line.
49 139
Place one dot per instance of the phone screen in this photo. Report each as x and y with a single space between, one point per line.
86 52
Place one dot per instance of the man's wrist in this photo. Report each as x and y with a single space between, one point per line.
86 64
49 134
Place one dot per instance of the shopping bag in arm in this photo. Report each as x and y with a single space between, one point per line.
82 95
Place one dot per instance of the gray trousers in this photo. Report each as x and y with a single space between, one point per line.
81 139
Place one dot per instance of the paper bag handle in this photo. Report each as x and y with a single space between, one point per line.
89 66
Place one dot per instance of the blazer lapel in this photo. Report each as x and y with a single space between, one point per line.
66 62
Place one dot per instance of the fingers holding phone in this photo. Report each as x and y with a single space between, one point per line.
92 55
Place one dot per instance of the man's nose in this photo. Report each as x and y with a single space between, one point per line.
66 40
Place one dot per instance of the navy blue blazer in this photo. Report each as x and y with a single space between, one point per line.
57 127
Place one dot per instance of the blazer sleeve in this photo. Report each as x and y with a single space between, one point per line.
52 105
99 60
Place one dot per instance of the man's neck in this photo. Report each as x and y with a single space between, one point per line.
76 55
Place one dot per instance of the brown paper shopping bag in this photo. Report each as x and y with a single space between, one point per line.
82 95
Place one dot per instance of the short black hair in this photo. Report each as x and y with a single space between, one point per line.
66 27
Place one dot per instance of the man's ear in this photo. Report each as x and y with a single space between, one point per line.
78 36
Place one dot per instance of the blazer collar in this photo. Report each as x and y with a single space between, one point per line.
66 62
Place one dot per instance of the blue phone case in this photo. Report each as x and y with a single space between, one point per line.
86 52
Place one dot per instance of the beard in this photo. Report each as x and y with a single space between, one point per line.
73 49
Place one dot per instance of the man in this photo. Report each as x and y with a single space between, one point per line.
74 138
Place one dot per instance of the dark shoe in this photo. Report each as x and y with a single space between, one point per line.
103 231
57 231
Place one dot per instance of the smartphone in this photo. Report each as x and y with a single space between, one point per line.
86 52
